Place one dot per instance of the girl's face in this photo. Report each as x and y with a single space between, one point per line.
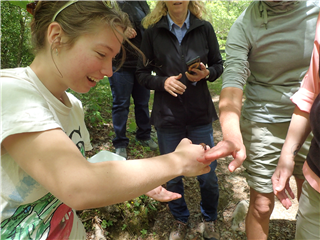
89 59
177 8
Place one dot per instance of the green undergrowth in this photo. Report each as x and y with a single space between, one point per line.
134 216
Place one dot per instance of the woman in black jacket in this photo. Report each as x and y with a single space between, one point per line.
182 108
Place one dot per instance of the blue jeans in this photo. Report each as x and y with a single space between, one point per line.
168 140
124 84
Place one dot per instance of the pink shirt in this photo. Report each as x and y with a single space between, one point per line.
306 95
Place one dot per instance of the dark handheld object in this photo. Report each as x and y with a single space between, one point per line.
193 63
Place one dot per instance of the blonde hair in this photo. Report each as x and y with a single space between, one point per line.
197 8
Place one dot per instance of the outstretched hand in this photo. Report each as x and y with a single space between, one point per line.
280 182
223 149
162 195
186 155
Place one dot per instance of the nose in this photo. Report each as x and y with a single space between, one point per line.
106 69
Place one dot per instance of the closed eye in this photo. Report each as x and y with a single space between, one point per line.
101 54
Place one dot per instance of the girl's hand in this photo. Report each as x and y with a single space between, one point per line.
187 155
162 195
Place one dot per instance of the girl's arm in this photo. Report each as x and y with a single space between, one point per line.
54 161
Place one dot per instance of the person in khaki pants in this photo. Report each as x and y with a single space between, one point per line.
268 52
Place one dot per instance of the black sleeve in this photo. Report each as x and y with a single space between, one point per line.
143 72
215 63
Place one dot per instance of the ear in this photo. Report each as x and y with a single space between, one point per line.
54 34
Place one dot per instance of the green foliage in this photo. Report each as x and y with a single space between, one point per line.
133 216
132 126
21 4
138 212
143 232
135 152
106 223
222 15
97 103
124 226
15 32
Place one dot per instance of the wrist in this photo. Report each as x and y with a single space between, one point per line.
207 76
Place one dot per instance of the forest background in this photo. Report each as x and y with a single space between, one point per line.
134 219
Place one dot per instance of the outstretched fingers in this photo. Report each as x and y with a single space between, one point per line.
281 186
284 199
224 149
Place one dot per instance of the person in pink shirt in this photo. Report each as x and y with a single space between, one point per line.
305 118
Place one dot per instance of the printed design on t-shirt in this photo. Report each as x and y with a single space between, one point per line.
32 221
76 137
46 218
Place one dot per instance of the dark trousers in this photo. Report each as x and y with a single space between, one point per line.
168 140
124 85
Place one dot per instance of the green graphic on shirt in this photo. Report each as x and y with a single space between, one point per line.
30 221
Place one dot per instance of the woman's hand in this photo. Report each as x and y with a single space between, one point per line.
280 181
173 86
198 74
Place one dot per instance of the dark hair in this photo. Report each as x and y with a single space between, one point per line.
77 19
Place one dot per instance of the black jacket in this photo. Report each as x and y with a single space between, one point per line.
136 11
167 58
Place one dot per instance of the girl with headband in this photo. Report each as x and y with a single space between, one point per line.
44 174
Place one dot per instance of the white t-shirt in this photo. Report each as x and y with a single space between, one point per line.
28 210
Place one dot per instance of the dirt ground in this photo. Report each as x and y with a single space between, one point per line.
233 189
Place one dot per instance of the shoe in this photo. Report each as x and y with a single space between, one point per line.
122 152
210 232
149 143
179 231
239 214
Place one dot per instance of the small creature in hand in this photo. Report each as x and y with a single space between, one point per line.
203 145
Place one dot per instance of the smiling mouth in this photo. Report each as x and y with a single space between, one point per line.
92 79
177 3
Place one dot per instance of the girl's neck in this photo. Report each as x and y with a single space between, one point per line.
48 74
